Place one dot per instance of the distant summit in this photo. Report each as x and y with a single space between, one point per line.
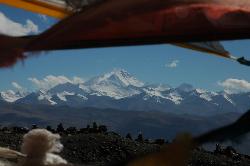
118 76
116 84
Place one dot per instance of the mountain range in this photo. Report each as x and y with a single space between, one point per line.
120 90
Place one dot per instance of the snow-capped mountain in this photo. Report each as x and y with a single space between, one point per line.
11 96
162 92
120 90
118 84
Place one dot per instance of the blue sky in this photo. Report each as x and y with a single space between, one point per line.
151 64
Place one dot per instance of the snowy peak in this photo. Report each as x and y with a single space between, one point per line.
116 84
227 97
162 92
116 77
11 96
44 96
126 78
204 94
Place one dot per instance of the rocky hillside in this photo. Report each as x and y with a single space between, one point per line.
112 149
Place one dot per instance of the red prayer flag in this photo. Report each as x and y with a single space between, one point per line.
137 22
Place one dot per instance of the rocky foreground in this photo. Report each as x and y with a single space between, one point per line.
96 149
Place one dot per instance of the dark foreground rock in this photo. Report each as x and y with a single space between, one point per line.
112 149
103 149
203 158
